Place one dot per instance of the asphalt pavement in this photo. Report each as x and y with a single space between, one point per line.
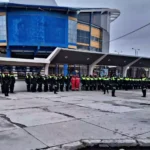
74 120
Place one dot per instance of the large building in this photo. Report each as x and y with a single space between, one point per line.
34 28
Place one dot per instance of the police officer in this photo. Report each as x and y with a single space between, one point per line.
113 86
12 82
2 85
39 82
55 84
99 82
50 83
67 82
61 82
91 83
95 83
83 78
105 85
33 83
28 82
45 81
144 87
87 82
6 83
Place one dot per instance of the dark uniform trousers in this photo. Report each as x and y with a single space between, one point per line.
144 91
28 82
45 86
12 84
113 91
6 83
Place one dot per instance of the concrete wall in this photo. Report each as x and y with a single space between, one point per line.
105 43
105 24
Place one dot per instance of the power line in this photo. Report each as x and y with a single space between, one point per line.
129 33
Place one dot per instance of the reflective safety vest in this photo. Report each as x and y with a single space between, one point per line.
106 79
144 79
88 79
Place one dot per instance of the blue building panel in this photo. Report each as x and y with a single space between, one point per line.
37 28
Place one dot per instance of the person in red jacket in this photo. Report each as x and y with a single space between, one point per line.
77 83
73 80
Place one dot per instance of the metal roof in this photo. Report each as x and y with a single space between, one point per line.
85 57
75 57
114 13
16 5
81 57
32 2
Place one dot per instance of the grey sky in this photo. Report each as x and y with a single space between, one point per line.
134 14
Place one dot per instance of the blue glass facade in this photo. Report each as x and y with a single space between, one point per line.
3 36
34 28
72 32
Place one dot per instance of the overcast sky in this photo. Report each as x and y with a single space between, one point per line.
134 14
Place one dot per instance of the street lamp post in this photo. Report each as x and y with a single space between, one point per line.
136 51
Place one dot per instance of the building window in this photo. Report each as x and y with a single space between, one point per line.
72 31
2 28
83 47
96 19
95 49
83 36
84 17
93 38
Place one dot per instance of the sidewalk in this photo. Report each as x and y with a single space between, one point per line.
73 120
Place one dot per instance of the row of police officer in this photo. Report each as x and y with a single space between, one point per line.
7 82
51 83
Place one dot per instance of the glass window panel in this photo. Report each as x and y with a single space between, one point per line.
85 17
96 18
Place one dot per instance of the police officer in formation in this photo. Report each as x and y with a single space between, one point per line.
105 84
52 83
55 83
7 82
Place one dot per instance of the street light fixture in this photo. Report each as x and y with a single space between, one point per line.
136 51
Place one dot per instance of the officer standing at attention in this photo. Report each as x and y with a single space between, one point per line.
33 83
12 83
6 83
144 87
50 83
2 85
55 84
45 81
113 86
61 82
91 82
39 82
105 83
67 82
83 78
87 83
28 82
